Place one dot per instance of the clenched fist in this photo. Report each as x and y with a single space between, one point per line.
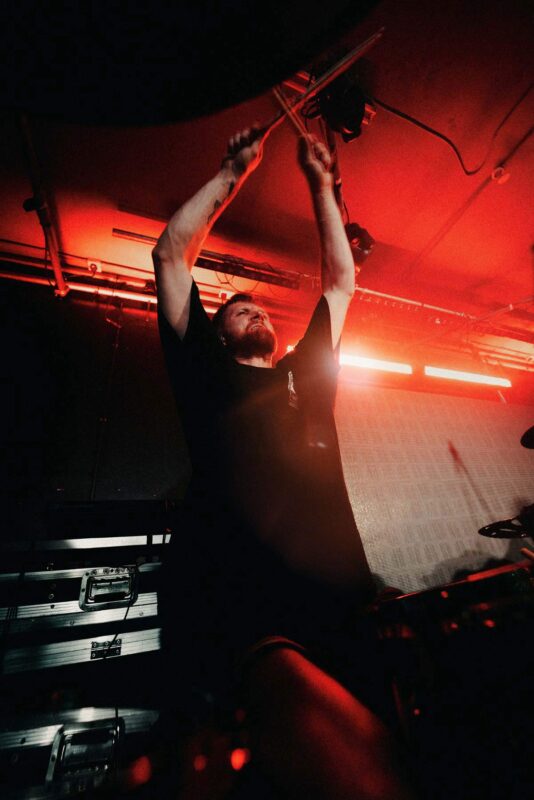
316 162
245 151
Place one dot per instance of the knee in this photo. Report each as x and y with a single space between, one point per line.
285 683
282 675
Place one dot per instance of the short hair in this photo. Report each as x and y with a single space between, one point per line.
218 317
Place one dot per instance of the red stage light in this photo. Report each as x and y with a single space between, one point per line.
239 757
140 771
200 762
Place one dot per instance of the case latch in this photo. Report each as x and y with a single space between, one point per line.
108 587
83 754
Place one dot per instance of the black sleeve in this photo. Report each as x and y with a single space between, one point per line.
197 361
314 352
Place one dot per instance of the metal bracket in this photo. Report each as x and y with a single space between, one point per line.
106 649
109 587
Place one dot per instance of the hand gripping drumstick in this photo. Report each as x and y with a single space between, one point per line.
289 112
289 109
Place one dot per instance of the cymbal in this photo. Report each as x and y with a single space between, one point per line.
504 529
527 440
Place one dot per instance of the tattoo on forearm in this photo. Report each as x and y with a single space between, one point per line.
216 207
218 204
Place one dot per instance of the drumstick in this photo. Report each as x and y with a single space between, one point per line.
290 113
323 81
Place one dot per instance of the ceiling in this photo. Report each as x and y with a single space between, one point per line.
461 243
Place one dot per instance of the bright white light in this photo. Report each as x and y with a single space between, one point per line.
363 362
470 377
374 363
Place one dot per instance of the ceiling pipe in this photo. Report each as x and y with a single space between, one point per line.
505 359
39 203
133 276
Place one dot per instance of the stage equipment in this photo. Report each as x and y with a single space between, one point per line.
56 614
344 107
69 753
461 674
81 653
289 108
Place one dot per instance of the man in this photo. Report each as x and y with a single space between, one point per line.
268 564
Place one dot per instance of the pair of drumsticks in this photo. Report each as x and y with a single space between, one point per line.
289 110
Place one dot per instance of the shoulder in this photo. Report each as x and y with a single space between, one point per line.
199 343
318 334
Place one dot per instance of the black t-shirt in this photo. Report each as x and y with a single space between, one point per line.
268 543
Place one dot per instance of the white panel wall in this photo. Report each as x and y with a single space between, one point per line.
417 504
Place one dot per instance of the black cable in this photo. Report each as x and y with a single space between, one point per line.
347 215
123 620
445 138
45 263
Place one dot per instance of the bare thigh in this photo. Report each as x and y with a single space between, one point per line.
314 739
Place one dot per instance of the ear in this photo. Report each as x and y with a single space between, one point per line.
222 338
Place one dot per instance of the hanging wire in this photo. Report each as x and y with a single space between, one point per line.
280 295
446 139
226 281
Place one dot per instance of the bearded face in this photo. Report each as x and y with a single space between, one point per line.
247 331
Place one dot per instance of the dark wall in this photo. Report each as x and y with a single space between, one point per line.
88 410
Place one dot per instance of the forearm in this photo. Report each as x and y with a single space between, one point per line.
187 229
178 246
337 263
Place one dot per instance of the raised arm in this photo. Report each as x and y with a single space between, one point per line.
337 263
179 245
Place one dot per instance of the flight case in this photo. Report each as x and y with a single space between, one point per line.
80 659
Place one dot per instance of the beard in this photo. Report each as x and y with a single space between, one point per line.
259 342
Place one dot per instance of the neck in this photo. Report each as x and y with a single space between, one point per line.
256 361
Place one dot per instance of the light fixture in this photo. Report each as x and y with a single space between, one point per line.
344 106
374 363
229 264
360 240
470 377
